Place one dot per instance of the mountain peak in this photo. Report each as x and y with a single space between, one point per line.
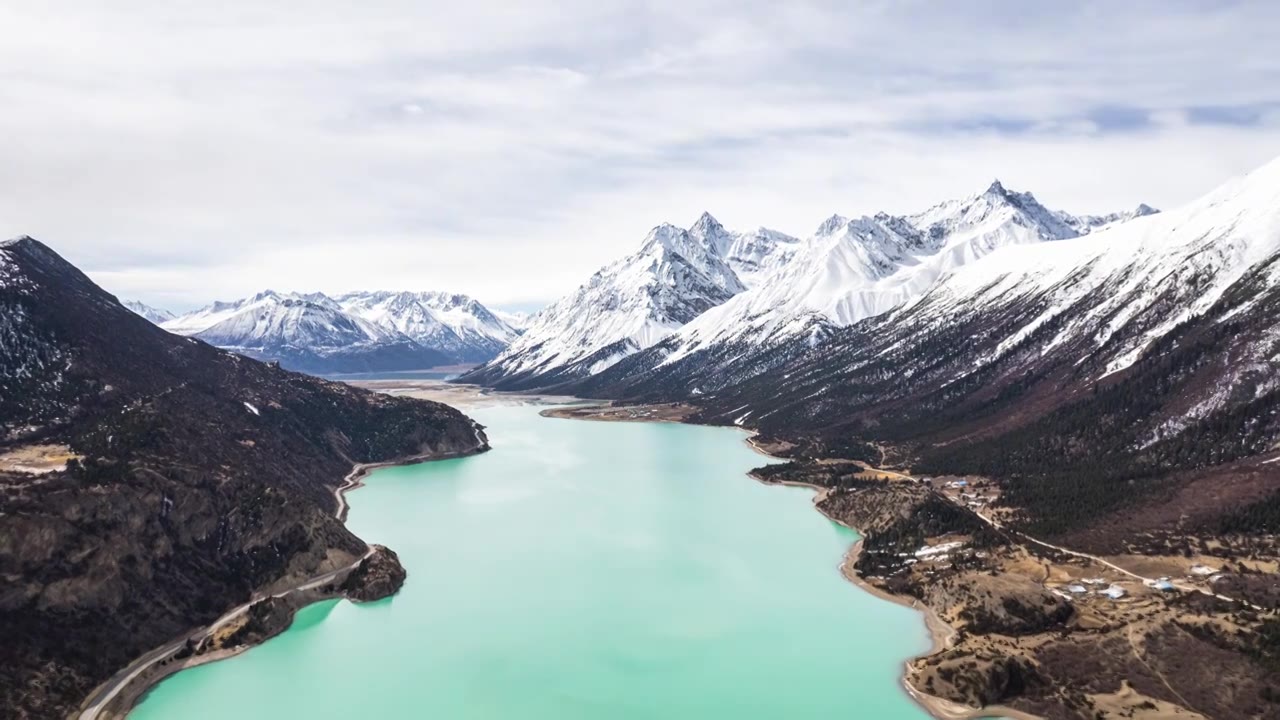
16 240
155 315
706 220
996 188
712 234
832 224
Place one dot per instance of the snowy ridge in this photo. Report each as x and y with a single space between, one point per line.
387 330
676 275
854 269
453 323
271 320
1153 273
766 288
1170 321
518 321
155 315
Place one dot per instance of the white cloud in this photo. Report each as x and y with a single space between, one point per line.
189 151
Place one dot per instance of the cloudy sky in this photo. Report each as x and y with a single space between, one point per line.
182 152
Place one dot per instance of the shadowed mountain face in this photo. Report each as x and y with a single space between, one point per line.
196 478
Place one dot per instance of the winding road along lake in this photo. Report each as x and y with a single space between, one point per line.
582 570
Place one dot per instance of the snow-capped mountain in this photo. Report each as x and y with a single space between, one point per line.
1148 346
751 255
308 332
675 276
155 315
848 270
852 269
454 324
1085 224
356 332
1185 301
754 255
518 321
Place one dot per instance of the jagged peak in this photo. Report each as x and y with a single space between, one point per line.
267 294
662 236
706 221
1144 209
832 224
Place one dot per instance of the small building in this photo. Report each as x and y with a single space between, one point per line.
1199 569
1077 589
1114 592
1163 584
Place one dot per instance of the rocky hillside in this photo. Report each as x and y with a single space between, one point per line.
151 482
1136 363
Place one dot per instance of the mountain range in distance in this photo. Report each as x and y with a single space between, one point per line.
687 290
355 332
684 289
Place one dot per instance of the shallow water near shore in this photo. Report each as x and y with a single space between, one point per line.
582 570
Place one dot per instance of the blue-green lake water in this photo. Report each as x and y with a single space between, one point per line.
582 570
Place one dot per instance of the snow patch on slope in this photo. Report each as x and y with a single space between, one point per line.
155 315
852 269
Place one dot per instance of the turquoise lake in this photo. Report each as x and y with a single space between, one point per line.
582 570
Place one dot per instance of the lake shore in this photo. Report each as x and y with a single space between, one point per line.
115 698
465 396
940 632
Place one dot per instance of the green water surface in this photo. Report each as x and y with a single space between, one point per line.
582 570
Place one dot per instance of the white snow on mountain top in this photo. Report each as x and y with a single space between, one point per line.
1183 259
675 276
707 285
852 269
450 323
516 320
446 321
271 320
155 315
210 315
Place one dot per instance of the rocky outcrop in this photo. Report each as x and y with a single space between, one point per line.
204 478
378 576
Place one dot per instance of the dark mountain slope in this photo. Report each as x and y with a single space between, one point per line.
200 478
1090 376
